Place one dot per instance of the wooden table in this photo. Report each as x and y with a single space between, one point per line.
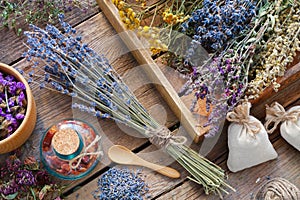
52 107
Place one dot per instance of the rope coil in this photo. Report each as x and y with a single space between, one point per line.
278 189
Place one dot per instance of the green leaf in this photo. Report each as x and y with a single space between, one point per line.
4 14
11 196
33 193
19 31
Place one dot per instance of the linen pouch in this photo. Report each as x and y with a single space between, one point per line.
290 122
248 141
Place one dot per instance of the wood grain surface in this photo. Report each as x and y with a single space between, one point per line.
53 107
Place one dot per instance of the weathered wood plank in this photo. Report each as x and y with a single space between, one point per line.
248 181
12 45
158 183
154 73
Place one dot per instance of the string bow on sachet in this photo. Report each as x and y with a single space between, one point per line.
241 115
162 137
276 114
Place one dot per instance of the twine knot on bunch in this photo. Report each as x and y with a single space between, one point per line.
276 114
241 115
162 137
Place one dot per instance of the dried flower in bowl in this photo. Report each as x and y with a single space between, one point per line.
12 104
17 109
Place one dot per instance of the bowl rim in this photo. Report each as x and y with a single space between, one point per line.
29 98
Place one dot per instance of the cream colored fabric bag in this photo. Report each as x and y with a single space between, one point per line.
248 141
290 126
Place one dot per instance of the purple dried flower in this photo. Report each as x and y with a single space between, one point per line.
25 178
9 188
13 104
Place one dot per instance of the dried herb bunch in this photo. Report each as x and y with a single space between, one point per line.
74 69
14 13
26 180
277 48
249 43
224 79
13 104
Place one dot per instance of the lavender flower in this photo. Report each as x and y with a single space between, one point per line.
121 184
216 23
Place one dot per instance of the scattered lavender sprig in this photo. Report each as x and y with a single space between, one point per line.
12 104
121 184
74 69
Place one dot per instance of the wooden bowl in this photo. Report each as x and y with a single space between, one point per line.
25 129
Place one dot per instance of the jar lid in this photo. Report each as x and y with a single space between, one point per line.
67 143
70 149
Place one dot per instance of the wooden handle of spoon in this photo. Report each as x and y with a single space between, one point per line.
167 171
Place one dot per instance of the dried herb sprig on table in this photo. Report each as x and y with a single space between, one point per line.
25 180
74 69
16 12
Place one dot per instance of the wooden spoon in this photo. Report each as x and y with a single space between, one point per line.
121 155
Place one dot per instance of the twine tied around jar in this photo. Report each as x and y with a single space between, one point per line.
278 189
162 137
240 114
85 153
276 114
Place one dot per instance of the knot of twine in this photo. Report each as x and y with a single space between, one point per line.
240 114
85 153
162 137
278 189
276 114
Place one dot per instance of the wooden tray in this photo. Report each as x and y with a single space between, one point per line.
287 94
152 70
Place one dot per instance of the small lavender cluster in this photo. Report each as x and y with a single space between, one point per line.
12 104
120 184
216 23
16 178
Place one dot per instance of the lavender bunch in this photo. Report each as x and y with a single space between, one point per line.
216 23
12 104
74 69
